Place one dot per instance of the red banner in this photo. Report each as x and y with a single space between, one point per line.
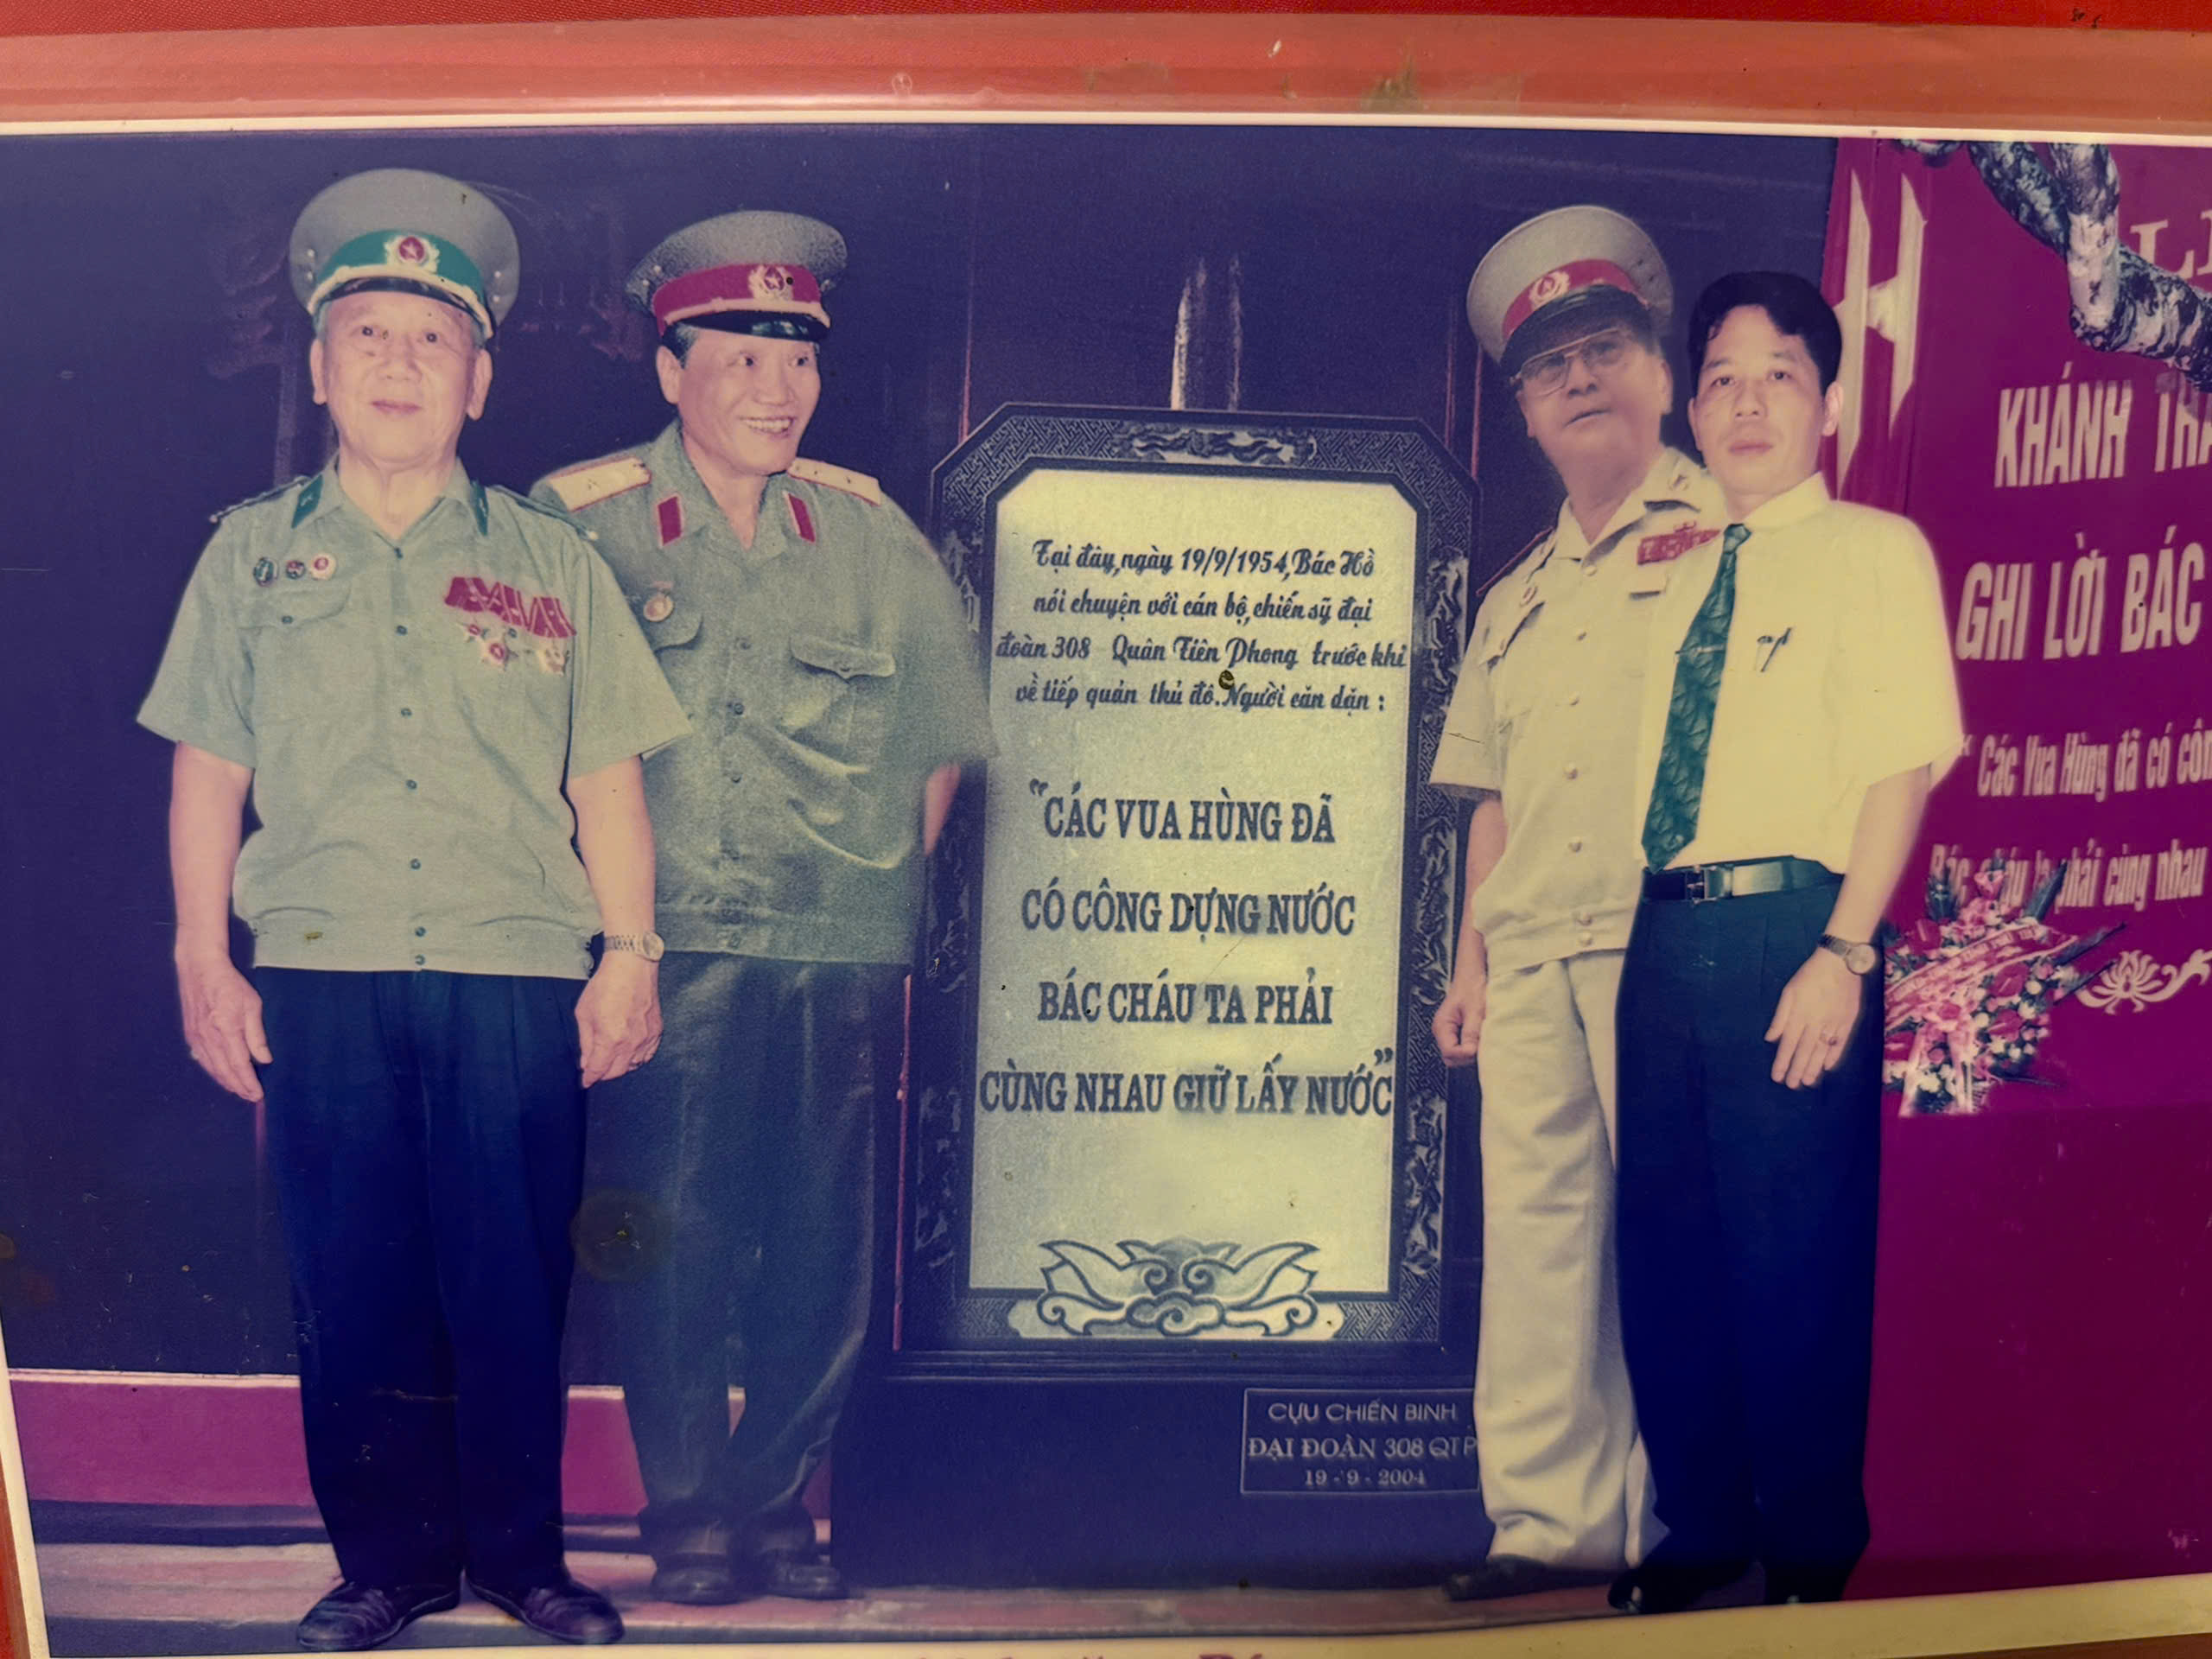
2021 326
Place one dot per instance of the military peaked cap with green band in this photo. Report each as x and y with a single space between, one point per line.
413 231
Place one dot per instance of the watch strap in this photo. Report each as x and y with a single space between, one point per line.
1860 955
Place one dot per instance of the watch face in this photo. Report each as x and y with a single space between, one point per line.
1863 958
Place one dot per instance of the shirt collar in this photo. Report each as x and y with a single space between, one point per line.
323 494
673 473
1674 480
1799 502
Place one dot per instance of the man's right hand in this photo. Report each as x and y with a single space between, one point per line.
222 1023
1459 1022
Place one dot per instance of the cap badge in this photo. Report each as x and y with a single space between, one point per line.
770 281
410 250
1548 287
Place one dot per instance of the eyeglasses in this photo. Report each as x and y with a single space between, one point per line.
1547 373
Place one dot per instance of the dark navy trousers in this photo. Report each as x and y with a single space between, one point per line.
751 1144
426 1133
1747 1239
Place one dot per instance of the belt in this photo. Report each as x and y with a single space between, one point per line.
1741 880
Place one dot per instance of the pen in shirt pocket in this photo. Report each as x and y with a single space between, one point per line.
1773 642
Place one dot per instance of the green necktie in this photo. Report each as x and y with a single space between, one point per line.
1670 824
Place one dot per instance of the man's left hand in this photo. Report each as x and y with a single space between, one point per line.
1814 1021
619 1016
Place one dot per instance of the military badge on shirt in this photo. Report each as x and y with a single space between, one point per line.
1668 545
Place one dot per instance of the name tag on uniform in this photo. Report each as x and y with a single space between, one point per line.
1670 546
1656 555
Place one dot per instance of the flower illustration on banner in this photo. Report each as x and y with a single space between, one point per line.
1971 988
1178 1288
2138 979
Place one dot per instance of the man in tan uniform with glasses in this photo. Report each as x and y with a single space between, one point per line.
1540 736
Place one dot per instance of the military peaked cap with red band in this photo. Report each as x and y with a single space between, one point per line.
749 273
1559 269
416 233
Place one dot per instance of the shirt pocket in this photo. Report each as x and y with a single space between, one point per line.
679 628
301 648
840 699
674 640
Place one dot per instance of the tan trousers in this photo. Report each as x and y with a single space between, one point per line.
1563 1472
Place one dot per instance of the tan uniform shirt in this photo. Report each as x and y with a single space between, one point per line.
1545 716
1838 676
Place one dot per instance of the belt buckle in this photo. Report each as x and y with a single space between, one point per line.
1694 884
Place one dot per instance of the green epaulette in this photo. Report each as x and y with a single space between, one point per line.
221 513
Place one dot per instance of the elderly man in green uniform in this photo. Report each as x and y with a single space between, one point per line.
439 701
1541 737
828 665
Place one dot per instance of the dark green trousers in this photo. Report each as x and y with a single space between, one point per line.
749 1144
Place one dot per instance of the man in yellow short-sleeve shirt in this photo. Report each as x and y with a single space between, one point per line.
1799 705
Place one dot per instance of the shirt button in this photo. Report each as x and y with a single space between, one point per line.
1580 634
413 863
744 643
1574 771
286 619
411 783
420 931
1588 938
1573 699
418 962
407 714
737 708
402 628
1582 917
1574 843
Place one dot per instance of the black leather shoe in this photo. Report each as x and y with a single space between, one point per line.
1786 1588
699 1581
567 1611
1668 1587
1517 1575
357 1616
803 1575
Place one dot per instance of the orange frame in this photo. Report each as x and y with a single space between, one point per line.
1889 67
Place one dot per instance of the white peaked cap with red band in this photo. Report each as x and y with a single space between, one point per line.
1557 264
750 272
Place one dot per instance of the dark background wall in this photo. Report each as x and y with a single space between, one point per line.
155 368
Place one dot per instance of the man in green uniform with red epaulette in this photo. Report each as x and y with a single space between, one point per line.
828 663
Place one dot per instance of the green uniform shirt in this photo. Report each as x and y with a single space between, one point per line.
827 669
412 712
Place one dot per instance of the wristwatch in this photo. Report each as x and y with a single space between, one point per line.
647 945
1857 955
